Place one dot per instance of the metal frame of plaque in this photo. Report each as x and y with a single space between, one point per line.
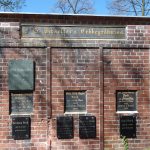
21 75
128 126
21 102
21 128
65 127
75 101
87 127
126 100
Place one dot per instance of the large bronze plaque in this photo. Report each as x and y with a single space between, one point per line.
75 101
126 100
21 75
65 127
128 126
21 128
21 103
87 127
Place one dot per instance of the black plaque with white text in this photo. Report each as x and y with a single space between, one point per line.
65 127
87 127
21 128
75 101
126 100
128 126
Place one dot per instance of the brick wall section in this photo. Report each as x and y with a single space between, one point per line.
38 139
126 66
75 69
126 69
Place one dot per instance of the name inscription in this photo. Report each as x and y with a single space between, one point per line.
73 32
128 126
21 128
75 101
21 103
126 100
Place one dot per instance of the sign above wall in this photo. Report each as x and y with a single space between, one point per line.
73 32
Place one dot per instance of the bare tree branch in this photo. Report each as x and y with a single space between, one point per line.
74 6
11 5
129 7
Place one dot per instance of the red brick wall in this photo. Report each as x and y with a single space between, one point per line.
126 69
39 117
78 65
75 69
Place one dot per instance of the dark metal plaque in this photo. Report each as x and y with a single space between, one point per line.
21 128
65 127
126 100
21 103
21 75
87 127
128 126
75 101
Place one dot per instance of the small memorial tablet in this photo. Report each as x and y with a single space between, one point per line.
21 75
65 127
87 127
21 103
126 100
128 126
21 128
75 101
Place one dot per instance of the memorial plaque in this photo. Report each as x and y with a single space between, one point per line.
75 101
21 75
73 32
87 127
21 103
128 126
126 100
21 128
65 127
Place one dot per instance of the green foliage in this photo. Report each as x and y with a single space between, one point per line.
11 5
125 143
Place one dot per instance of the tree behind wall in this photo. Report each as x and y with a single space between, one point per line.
129 7
11 5
75 6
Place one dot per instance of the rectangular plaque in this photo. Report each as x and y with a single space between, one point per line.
126 100
65 127
87 127
73 32
128 126
21 128
75 101
21 103
21 75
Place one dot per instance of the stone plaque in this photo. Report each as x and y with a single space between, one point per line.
21 128
128 126
21 75
65 127
75 101
73 32
126 100
87 127
21 103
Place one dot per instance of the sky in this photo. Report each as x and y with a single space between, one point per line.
45 6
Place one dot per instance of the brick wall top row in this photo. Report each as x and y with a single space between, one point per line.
73 19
